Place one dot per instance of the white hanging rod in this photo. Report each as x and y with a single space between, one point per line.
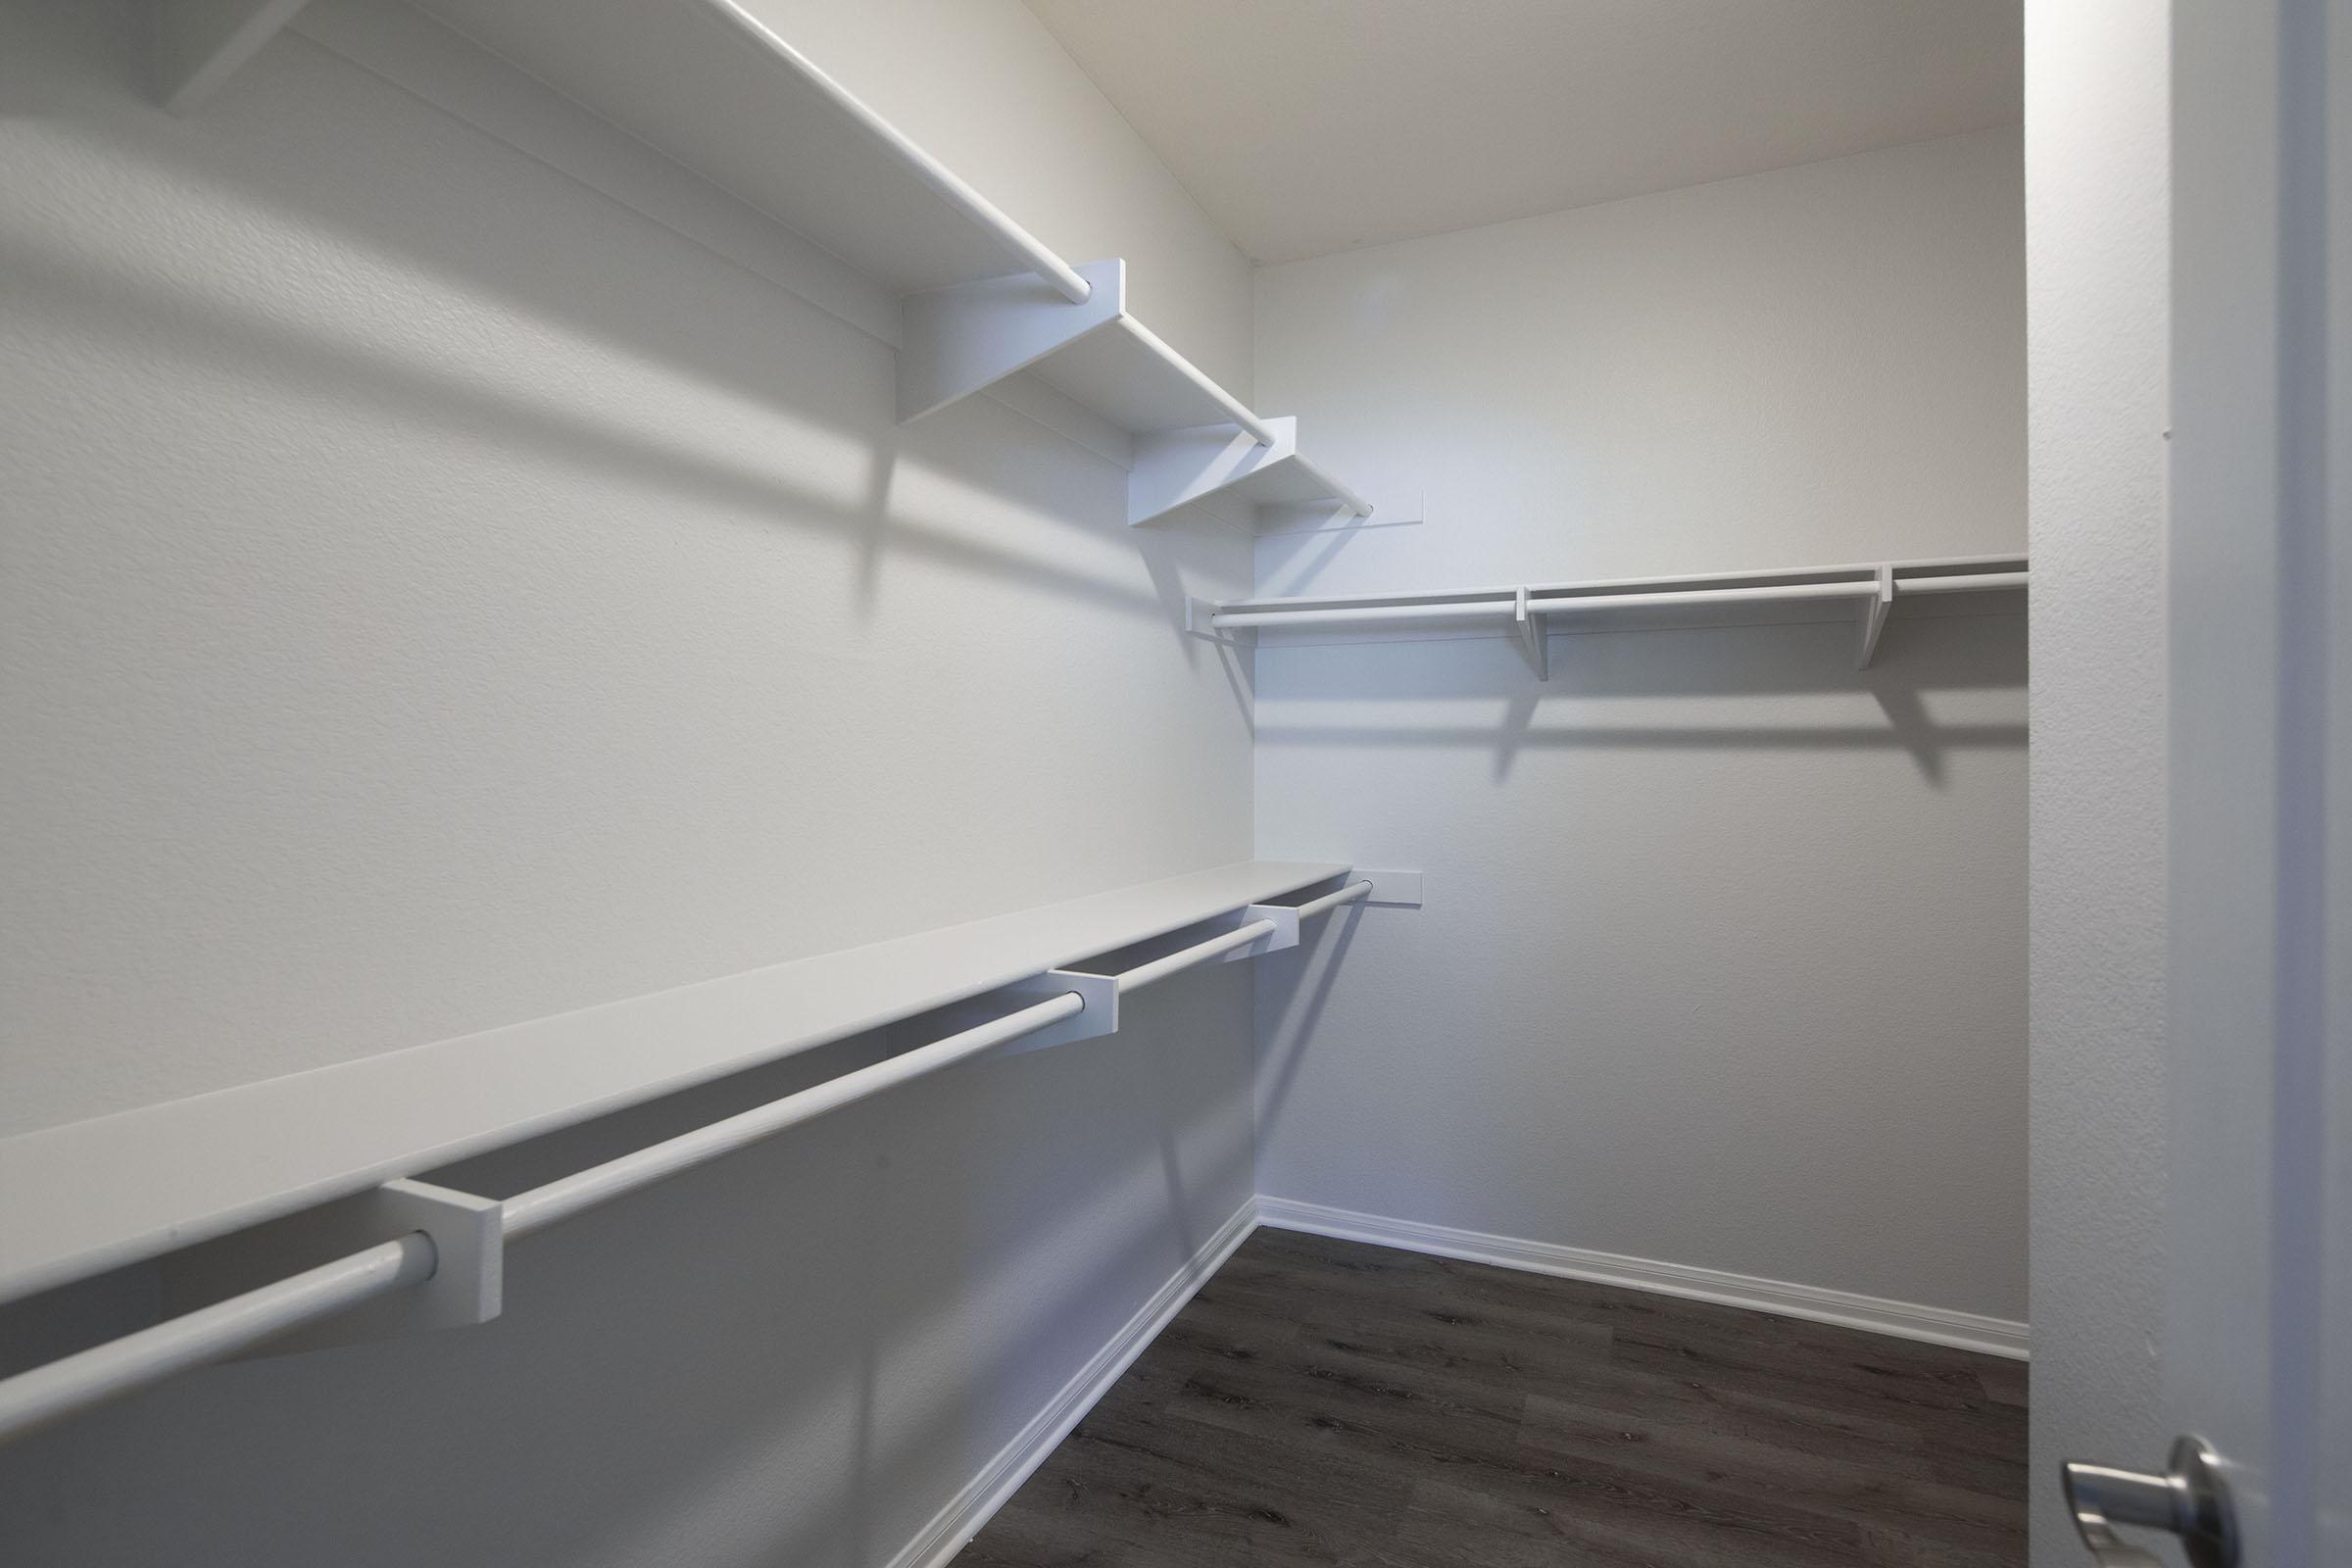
1331 901
1861 574
1322 477
1240 412
1198 953
1975 583
211 1334
215 1333
560 1199
982 212
1556 600
1505 609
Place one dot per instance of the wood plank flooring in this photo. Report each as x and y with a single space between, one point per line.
1328 1402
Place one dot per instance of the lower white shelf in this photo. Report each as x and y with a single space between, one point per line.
117 1188
417 1256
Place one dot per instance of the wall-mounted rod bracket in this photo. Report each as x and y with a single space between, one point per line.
1197 622
966 337
1101 1015
1245 937
465 1288
1534 640
1873 617
1286 930
1399 888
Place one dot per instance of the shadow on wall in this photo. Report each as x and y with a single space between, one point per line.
427 303
1310 968
1601 680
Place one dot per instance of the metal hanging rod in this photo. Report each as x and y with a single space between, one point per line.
1331 901
406 1262
1506 609
212 1334
1235 408
1977 584
1858 583
226 1328
1198 953
1861 574
1224 942
542 1207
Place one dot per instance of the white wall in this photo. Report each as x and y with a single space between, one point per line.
1723 962
436 596
2097 189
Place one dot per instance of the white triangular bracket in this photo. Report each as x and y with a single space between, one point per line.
1873 617
1222 462
1534 638
965 338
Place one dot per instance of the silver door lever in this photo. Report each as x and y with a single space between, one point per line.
2190 1499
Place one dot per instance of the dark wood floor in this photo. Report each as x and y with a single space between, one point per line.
1325 1401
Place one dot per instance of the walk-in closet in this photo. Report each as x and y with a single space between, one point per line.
1159 783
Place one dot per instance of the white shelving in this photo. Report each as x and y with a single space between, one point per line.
1191 439
716 91
107 1192
1527 609
416 1256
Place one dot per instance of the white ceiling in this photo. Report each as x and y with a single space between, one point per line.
1312 125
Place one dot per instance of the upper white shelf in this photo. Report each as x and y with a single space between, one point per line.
714 89
98 1194
1528 610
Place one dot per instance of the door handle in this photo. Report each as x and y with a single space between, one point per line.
2191 1500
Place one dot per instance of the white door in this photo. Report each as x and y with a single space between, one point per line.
2258 1218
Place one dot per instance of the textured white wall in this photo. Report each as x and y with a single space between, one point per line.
435 596
2098 208
1724 958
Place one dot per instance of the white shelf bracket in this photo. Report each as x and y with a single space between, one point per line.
1176 468
1272 483
467 1233
199 44
1873 617
957 341
1534 639
1286 931
1197 622
1099 1016
1399 888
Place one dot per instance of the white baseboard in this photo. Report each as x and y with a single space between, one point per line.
956 1524
1903 1319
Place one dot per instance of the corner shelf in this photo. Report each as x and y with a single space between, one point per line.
716 91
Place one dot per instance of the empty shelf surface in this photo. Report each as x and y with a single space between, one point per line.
709 86
117 1188
1128 375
